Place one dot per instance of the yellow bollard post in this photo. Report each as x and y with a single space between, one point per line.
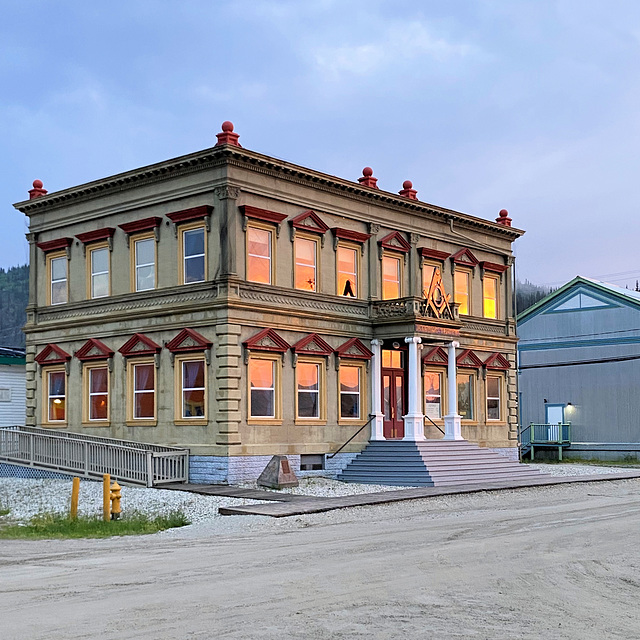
75 492
106 497
116 495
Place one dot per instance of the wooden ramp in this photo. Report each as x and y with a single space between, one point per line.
307 504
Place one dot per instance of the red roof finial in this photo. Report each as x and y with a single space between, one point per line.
504 218
227 136
408 191
37 190
367 179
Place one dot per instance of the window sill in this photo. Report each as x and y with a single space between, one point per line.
352 422
97 423
141 423
265 421
54 425
318 422
193 422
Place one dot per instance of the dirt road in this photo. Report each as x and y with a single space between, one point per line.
558 562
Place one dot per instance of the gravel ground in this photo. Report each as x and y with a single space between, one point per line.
26 498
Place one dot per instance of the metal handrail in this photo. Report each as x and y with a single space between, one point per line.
335 453
434 424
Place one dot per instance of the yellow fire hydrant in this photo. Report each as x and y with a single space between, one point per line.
115 495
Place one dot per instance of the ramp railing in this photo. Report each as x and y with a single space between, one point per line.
91 456
545 435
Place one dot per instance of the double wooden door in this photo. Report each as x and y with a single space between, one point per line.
393 403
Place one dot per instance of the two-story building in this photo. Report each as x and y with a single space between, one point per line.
243 306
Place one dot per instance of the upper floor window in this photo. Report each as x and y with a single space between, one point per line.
259 250
193 253
144 263
490 297
462 292
99 272
347 268
306 263
391 277
57 270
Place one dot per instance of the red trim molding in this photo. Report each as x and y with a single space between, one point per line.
262 214
54 245
52 354
139 345
186 215
492 266
354 349
437 356
188 340
497 362
312 345
464 258
267 340
352 236
93 349
318 226
469 360
395 237
433 254
95 236
137 226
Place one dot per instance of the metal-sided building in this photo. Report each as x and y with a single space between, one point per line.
12 386
241 306
579 362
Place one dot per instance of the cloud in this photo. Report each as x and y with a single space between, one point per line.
396 44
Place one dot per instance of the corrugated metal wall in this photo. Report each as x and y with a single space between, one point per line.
605 397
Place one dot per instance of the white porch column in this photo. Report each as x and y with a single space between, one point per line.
414 420
452 426
377 427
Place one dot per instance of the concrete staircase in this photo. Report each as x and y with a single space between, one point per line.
432 463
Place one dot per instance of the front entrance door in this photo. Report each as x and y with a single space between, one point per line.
393 394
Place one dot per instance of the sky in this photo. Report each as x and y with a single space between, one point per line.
528 105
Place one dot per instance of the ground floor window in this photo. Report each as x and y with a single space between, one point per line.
96 393
494 395
141 381
350 382
55 410
433 394
191 388
310 391
264 387
466 390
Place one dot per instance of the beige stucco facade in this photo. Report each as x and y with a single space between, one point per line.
223 192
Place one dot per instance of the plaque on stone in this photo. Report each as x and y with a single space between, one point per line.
278 474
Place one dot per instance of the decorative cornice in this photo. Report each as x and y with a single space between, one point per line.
262 214
469 360
395 236
59 355
97 235
267 340
464 258
237 156
312 344
497 362
138 226
187 215
148 346
318 227
93 349
54 245
188 340
492 266
227 192
354 349
433 254
348 234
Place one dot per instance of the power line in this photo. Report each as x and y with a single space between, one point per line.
578 362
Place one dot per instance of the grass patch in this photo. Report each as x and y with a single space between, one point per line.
50 525
3 511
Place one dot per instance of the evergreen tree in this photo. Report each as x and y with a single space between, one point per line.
14 295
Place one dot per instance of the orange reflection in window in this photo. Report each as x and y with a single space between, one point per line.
427 277
390 277
261 373
305 264
347 276
490 297
462 291
258 255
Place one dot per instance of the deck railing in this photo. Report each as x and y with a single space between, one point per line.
91 457
548 435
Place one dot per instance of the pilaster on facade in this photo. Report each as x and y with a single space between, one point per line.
228 391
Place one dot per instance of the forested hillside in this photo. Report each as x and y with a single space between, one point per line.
14 294
527 294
